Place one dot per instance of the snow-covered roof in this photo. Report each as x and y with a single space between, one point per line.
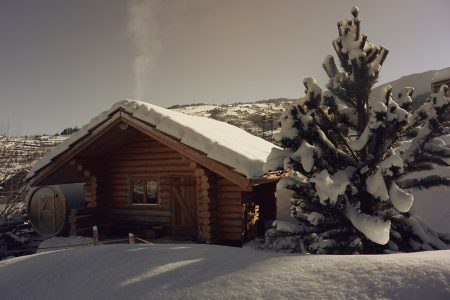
441 75
220 141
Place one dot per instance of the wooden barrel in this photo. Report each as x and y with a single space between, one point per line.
49 206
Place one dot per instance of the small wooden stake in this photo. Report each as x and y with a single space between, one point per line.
131 238
95 235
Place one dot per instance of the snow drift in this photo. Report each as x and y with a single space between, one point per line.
186 271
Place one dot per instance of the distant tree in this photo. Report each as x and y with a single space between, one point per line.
69 130
349 156
12 188
217 113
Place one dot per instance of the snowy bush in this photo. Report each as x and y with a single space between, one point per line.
349 154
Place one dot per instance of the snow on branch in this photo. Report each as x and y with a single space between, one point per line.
374 228
348 152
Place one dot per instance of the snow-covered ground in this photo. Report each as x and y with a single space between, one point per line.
192 271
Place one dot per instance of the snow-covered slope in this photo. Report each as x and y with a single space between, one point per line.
421 82
258 118
433 205
17 155
443 74
187 271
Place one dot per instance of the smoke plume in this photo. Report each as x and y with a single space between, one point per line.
144 32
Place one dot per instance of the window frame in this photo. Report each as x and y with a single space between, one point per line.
145 180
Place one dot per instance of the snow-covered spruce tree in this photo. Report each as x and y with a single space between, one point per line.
349 153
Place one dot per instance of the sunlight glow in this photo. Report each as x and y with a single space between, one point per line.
158 271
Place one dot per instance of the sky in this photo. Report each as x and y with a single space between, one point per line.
64 62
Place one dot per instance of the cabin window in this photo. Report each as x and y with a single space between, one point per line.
144 191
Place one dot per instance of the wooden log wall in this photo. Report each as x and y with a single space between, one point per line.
93 171
221 213
90 191
205 206
144 158
229 210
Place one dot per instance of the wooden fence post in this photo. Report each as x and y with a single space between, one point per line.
131 238
95 235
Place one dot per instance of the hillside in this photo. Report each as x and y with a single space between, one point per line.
17 154
259 118
192 271
421 82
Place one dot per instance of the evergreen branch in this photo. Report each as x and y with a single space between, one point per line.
385 139
439 150
371 55
349 101
328 146
418 168
430 159
338 133
422 137
298 167
424 183
337 45
329 65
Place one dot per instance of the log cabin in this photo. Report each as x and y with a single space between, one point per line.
144 166
440 78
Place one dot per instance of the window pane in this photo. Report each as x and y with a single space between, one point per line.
152 192
137 191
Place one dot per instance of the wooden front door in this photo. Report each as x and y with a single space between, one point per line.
184 206
51 213
46 219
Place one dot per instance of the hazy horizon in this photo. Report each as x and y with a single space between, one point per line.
64 62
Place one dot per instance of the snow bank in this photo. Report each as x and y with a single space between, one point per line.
215 272
433 205
222 142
